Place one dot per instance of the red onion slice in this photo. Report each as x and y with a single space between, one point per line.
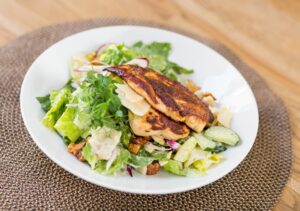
142 62
129 170
86 68
102 48
149 147
173 144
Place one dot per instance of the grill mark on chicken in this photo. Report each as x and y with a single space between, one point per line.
137 79
154 123
159 121
168 96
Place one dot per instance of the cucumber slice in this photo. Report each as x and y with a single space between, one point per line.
222 134
185 150
204 142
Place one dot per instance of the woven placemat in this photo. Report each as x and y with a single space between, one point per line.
29 180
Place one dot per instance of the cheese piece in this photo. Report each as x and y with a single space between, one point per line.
103 142
224 117
131 100
129 93
159 139
209 100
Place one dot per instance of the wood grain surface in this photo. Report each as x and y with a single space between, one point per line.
264 33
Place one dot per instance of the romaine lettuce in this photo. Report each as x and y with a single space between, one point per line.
89 156
117 54
103 141
100 165
45 102
156 52
175 167
117 164
65 125
57 107
203 164
139 161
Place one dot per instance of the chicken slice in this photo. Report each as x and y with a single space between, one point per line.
155 123
167 96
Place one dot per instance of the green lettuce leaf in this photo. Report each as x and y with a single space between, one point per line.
126 135
175 167
172 70
89 156
66 127
82 120
117 54
100 165
137 161
58 106
53 95
156 155
204 164
45 102
117 164
156 52
145 158
155 48
98 101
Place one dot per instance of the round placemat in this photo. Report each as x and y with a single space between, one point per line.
29 180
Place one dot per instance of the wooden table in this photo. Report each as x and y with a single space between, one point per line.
264 33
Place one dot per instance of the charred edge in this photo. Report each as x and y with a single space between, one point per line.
116 70
211 117
144 86
134 74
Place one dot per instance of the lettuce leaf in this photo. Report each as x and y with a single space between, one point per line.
82 120
45 102
89 156
53 95
137 161
58 105
66 127
126 135
203 164
116 166
156 155
104 140
175 167
145 158
162 49
100 165
156 52
117 54
98 102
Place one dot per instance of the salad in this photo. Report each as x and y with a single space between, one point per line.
119 113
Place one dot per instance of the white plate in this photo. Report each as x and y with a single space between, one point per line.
212 71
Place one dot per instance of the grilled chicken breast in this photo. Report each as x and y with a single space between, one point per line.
155 123
167 96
